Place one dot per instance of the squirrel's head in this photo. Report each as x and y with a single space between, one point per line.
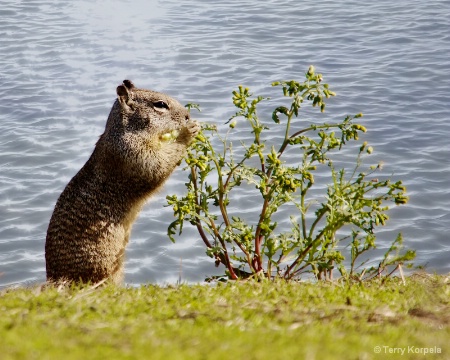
147 110
144 124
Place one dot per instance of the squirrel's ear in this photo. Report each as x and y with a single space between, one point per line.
129 84
124 96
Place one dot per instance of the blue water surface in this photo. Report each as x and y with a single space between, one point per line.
60 63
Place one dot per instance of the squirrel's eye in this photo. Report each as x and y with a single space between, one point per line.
161 105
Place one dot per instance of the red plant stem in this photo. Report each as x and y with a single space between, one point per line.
226 258
303 253
289 269
396 268
223 257
203 235
197 210
258 237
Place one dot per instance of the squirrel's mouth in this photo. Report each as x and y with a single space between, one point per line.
169 136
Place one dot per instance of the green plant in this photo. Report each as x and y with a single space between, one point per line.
355 201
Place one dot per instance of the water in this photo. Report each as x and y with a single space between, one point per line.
60 63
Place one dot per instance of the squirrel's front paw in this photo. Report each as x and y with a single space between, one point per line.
188 132
193 128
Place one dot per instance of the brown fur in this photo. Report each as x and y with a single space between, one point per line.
93 216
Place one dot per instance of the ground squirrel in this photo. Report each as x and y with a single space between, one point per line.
145 138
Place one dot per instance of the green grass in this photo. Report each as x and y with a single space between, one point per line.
245 320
